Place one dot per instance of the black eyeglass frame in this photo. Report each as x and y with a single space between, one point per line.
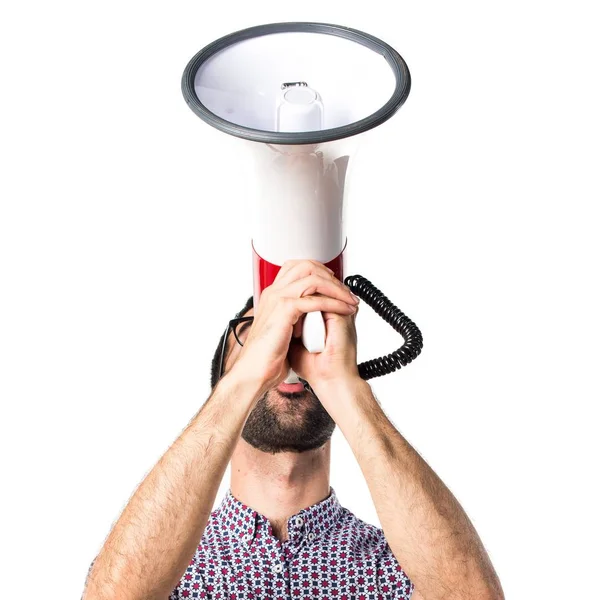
231 326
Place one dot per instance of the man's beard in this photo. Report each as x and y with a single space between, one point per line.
288 422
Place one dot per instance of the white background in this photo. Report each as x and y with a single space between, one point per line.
121 259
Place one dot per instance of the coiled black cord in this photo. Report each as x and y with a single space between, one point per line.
413 340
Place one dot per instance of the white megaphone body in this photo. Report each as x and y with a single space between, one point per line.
300 93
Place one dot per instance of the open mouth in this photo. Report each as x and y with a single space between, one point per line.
290 387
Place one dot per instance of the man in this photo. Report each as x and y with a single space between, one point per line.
280 531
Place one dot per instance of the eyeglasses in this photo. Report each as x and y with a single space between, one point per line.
240 332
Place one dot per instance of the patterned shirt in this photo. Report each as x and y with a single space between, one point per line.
329 554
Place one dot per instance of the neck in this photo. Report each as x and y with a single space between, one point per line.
280 485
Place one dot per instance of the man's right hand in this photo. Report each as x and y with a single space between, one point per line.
301 286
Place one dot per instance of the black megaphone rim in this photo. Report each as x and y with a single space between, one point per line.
394 60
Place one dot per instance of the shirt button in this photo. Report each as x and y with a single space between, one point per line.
311 536
278 568
299 521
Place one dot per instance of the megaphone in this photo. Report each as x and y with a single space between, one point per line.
300 94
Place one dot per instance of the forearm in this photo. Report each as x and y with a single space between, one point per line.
425 526
156 536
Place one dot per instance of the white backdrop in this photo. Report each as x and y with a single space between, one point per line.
474 209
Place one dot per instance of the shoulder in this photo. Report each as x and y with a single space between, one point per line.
369 542
364 534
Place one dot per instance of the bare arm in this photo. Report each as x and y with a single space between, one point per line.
156 536
425 526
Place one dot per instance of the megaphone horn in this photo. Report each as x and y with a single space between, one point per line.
300 94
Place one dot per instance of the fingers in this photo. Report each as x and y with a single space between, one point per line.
296 307
317 284
292 270
298 278
304 286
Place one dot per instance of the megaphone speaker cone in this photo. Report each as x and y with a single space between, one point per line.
234 83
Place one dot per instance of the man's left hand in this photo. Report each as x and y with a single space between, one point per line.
337 362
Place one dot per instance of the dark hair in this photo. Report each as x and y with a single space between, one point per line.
214 367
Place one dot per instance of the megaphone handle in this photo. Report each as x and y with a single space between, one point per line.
313 332
292 377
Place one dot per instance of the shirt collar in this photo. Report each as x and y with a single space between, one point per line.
242 522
